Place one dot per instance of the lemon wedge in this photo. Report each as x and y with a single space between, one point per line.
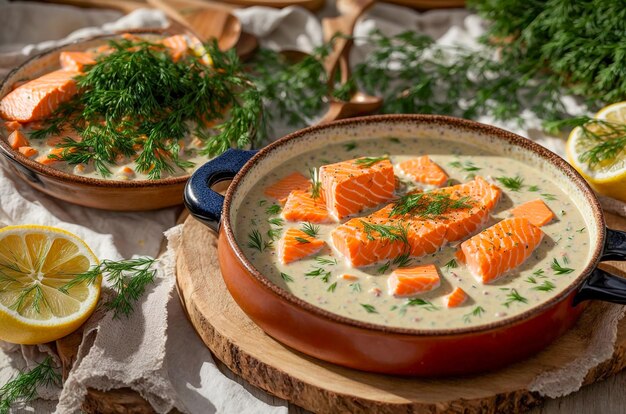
36 303
607 177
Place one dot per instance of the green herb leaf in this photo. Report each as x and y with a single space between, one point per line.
514 296
386 232
255 240
558 269
273 209
356 286
366 162
302 240
476 312
428 205
316 184
332 287
452 264
310 229
546 286
512 183
324 261
23 387
369 308
286 277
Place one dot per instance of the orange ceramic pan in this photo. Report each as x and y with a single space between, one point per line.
378 348
134 195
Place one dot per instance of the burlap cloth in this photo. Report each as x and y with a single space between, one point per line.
155 351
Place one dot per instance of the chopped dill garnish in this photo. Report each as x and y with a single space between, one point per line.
477 311
273 209
467 166
367 162
356 286
403 260
384 268
349 146
317 272
324 261
539 273
332 287
276 221
386 232
512 183
286 277
310 229
514 296
128 278
302 240
316 184
137 100
548 196
452 264
580 230
428 205
369 308
255 240
546 286
530 279
274 234
533 188
558 269
262 202
423 304
23 387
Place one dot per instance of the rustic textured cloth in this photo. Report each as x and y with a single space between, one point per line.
143 352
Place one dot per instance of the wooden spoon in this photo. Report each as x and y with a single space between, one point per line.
360 103
206 22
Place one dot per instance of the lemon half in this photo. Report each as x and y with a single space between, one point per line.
609 177
36 303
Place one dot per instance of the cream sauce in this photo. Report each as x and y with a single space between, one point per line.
535 281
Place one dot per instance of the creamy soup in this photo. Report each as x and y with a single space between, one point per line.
317 279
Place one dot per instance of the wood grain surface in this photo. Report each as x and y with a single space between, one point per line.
321 387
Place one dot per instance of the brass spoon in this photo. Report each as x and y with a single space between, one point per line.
360 103
207 22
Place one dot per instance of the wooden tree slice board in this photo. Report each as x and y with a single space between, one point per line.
326 388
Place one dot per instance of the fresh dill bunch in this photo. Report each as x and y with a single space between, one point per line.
137 100
128 279
428 205
24 386
580 42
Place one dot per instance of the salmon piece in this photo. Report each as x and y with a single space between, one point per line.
423 235
456 298
424 170
500 248
350 187
76 61
410 281
45 160
296 244
38 98
460 256
350 278
281 189
301 206
28 151
536 211
17 139
12 125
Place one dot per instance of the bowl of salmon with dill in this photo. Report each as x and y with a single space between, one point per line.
408 244
119 122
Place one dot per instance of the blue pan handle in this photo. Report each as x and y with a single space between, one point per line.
202 202
601 285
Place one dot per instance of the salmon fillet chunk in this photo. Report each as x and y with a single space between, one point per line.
76 61
281 189
424 170
354 185
385 235
536 211
411 281
301 206
296 244
500 248
37 99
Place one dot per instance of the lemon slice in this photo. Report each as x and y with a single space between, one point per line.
36 264
608 177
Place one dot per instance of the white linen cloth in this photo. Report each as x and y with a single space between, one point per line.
154 365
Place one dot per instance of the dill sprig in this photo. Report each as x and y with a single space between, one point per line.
423 304
476 312
128 279
368 308
428 205
255 240
324 261
320 272
332 287
366 162
316 184
512 183
558 269
355 287
546 286
24 386
310 229
391 233
137 100
467 166
404 260
514 296
273 209
452 264
286 277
